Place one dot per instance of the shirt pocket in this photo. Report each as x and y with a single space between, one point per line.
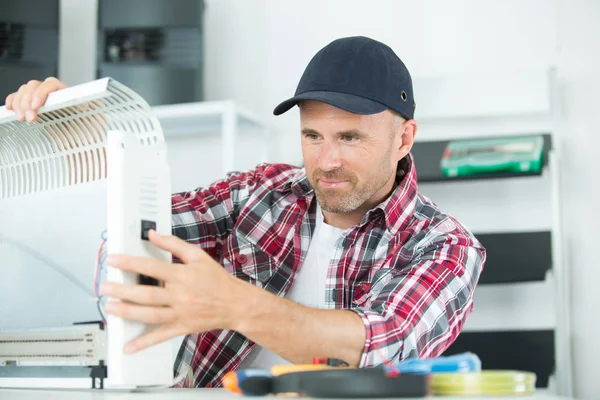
367 291
247 261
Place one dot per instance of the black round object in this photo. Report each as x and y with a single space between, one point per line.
363 382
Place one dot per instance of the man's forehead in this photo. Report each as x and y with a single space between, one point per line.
311 109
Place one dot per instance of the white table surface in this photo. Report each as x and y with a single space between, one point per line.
182 394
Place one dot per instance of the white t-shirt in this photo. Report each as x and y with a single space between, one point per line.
308 287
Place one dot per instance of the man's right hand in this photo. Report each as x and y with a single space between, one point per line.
31 96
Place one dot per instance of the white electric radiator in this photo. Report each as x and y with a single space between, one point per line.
93 165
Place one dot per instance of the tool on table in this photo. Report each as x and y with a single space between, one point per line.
334 378
244 381
464 362
259 381
374 382
484 383
331 382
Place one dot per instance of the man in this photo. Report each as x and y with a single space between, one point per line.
342 259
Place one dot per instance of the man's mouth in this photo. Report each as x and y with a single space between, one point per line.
332 183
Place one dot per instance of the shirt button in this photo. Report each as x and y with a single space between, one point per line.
304 187
241 259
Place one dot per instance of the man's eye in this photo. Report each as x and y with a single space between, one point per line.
349 138
311 136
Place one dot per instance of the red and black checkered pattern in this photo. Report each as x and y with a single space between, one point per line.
408 270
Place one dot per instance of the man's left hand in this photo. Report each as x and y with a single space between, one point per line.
198 295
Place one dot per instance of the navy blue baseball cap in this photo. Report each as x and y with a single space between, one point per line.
359 75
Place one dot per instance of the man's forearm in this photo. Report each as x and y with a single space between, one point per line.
295 332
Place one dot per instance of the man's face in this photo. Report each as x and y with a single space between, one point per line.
349 158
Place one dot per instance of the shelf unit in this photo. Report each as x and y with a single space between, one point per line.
521 316
428 155
157 52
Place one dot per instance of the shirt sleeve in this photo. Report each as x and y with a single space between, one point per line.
206 215
419 309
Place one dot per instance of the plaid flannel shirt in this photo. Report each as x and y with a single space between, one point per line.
408 270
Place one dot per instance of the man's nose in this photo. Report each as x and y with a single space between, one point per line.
330 158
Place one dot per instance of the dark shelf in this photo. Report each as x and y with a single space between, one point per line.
132 63
160 65
22 64
33 13
427 156
516 256
119 14
531 351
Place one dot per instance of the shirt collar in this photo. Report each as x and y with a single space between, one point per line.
397 209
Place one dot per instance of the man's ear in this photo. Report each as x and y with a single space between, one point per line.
407 131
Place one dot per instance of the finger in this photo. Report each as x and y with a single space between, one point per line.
157 336
144 314
183 250
143 265
140 294
9 100
41 93
26 99
16 103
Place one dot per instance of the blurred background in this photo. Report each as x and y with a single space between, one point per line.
214 70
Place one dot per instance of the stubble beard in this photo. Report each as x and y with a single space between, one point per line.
350 199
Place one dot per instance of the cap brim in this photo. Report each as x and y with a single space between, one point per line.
347 102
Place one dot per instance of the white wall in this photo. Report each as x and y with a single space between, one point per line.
77 61
578 31
235 51
437 38
432 38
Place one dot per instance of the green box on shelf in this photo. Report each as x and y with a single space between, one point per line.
484 156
